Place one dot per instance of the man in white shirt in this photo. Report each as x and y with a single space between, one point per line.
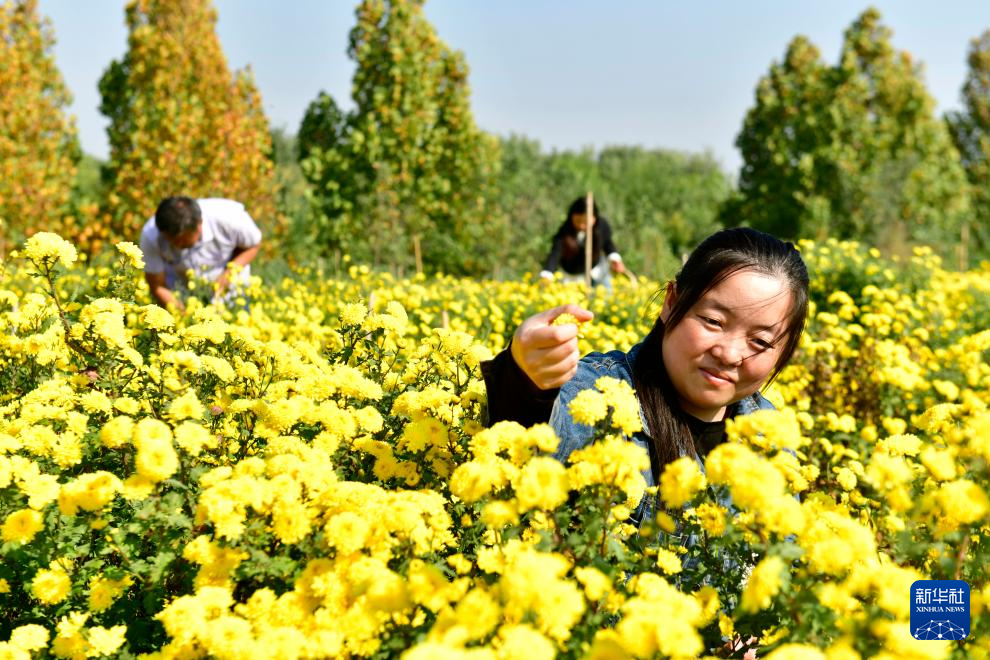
200 237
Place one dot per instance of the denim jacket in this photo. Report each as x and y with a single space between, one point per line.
574 436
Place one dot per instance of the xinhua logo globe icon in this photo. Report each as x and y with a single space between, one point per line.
939 609
940 630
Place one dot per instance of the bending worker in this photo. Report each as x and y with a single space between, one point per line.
568 247
206 238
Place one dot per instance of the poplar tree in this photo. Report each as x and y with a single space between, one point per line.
408 161
180 122
466 219
38 145
893 155
784 183
851 151
971 134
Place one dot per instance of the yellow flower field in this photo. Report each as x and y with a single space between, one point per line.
309 476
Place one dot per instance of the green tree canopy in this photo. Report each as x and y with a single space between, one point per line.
180 122
786 176
38 145
850 151
971 133
409 159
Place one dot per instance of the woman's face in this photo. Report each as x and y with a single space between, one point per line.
580 221
728 342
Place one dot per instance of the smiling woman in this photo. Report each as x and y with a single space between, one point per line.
729 342
731 320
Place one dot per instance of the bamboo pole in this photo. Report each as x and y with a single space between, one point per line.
964 247
418 254
589 229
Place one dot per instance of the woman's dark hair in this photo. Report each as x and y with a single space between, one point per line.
177 215
580 206
719 256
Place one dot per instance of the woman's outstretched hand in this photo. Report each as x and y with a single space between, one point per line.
548 354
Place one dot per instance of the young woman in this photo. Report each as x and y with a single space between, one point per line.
731 320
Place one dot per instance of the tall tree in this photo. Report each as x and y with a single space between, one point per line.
409 160
893 154
180 122
38 145
784 180
971 133
467 161
335 175
851 151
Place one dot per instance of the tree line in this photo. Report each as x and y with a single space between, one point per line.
850 150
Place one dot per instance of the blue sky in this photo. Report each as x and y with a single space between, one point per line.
571 74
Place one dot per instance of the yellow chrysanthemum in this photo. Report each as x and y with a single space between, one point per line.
763 584
30 637
541 484
22 526
51 585
681 480
132 252
588 407
156 458
48 248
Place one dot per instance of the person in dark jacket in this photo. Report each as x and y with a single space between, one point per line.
568 249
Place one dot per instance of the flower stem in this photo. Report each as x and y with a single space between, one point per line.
63 317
